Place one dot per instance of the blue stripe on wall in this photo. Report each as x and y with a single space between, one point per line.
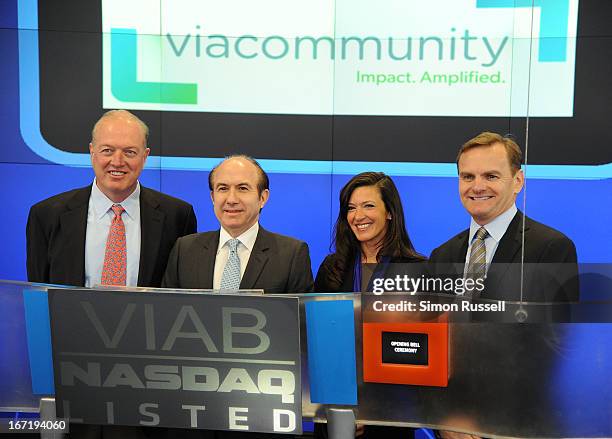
330 326
39 341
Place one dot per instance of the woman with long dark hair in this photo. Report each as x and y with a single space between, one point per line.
370 231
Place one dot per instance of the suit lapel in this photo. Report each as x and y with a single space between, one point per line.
506 254
257 260
151 228
73 226
459 252
348 281
205 268
510 244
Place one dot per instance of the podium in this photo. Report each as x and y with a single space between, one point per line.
505 379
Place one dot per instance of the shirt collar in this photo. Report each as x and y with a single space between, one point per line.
101 203
497 227
247 238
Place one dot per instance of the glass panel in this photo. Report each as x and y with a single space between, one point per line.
498 371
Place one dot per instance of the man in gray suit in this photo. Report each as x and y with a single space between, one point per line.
241 254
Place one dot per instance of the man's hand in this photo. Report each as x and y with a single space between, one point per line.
359 430
454 435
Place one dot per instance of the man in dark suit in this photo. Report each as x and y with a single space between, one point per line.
518 258
500 237
67 234
72 237
241 254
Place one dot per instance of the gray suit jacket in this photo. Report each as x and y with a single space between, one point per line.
278 264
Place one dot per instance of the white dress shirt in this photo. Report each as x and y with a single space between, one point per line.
99 217
496 229
245 247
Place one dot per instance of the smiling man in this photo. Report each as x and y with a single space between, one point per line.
114 231
490 178
241 254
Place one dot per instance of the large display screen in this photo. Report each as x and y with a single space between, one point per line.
346 57
323 86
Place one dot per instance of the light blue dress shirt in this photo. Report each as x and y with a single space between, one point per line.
496 228
99 217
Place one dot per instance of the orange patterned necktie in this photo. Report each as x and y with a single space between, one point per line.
115 255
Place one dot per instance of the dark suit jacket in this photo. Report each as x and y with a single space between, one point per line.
412 267
278 264
323 285
56 233
550 270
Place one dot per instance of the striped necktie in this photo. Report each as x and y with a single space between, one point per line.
477 265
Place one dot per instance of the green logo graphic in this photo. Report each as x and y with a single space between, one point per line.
124 84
